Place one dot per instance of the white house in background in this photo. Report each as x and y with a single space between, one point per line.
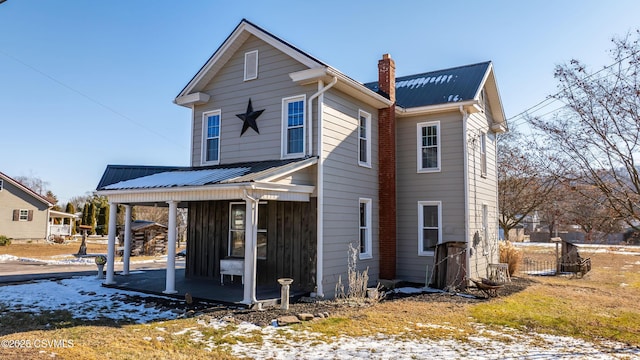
26 215
292 161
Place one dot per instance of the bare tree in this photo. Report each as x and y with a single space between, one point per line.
597 136
525 179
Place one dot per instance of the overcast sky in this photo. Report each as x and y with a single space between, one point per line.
86 83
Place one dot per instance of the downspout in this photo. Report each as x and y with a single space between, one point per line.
465 116
251 281
320 91
320 187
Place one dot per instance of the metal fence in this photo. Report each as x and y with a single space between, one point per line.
538 267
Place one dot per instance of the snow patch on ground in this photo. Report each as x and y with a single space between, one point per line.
86 299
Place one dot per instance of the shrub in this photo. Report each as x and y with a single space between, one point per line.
4 241
511 255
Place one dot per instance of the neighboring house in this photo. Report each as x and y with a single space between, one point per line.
26 215
292 161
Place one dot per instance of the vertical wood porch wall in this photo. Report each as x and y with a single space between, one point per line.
291 242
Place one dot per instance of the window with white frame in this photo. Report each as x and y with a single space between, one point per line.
211 137
429 146
24 215
485 229
293 126
251 65
364 138
483 153
429 226
237 225
1 184
364 220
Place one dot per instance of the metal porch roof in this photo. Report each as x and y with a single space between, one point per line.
149 177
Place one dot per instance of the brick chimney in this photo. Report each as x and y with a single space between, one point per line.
387 171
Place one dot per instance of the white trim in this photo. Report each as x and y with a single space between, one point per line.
204 149
247 56
283 139
419 128
367 138
26 218
485 228
367 254
228 48
483 154
196 98
421 205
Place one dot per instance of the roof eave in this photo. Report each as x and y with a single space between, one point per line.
469 105
234 40
25 189
344 84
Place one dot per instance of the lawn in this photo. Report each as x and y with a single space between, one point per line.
47 251
596 310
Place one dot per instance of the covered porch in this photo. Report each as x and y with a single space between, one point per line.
153 281
226 221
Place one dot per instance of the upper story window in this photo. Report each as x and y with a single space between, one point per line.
364 139
365 228
251 65
429 146
483 153
211 137
429 226
293 126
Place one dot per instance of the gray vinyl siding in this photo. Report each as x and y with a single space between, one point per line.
482 190
446 186
345 182
11 198
230 94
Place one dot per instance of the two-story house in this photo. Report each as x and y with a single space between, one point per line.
292 161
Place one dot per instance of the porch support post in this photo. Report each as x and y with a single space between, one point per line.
171 249
250 251
111 244
126 253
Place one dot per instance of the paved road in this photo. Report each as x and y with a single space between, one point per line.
19 271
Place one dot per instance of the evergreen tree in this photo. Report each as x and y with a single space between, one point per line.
70 209
91 218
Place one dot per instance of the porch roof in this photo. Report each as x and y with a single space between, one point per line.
155 185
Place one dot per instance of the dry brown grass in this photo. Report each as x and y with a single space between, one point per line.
510 255
43 250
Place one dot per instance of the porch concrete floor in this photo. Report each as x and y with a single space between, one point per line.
154 282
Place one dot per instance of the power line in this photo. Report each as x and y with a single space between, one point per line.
93 100
552 97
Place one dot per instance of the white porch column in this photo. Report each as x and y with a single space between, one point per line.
171 249
126 253
111 245
250 250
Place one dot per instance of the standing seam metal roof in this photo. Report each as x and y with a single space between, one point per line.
438 87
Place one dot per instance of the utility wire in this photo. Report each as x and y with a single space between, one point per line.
93 100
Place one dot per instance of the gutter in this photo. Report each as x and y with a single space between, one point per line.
321 90
465 150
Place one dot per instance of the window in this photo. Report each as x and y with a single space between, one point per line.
251 65
429 146
429 226
485 227
364 139
211 137
24 215
365 228
237 225
293 127
1 184
483 153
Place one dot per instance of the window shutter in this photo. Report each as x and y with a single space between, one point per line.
16 214
251 65
30 216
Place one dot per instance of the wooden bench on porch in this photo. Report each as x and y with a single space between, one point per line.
231 267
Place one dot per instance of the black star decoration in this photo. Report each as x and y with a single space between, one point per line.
249 118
